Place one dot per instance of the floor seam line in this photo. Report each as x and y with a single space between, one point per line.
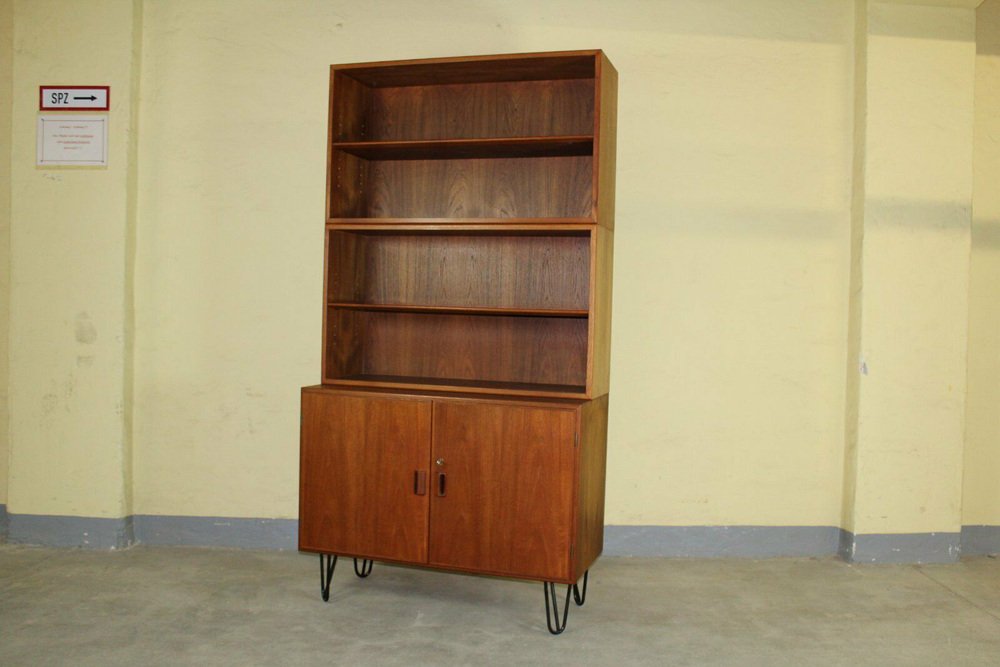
960 596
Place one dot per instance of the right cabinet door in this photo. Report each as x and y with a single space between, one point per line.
502 489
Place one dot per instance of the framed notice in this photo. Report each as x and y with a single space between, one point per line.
65 140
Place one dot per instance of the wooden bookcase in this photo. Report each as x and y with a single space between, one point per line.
462 417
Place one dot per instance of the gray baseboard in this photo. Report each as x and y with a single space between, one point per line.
900 548
206 531
3 523
720 541
628 541
980 540
70 531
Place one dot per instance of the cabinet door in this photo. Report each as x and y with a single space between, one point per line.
505 506
361 463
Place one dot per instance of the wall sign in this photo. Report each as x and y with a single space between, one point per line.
74 98
71 140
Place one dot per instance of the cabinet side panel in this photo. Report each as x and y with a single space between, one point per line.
347 262
357 485
590 487
605 144
347 178
600 315
345 333
350 102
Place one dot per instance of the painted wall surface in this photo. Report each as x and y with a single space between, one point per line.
733 209
6 62
981 502
918 191
68 287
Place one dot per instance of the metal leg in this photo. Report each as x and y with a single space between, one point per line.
556 626
579 597
326 564
366 567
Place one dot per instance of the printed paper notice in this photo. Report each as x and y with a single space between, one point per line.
80 141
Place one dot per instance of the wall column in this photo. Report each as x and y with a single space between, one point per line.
72 237
910 280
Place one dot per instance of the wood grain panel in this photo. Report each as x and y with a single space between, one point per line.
476 69
509 489
462 270
349 104
347 194
345 341
483 188
484 110
483 348
358 458
346 260
591 463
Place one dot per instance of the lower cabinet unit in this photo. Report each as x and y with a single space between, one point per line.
499 486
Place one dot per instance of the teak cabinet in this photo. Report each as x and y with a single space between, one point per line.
461 422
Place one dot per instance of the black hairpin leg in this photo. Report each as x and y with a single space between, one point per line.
366 567
579 597
556 626
326 564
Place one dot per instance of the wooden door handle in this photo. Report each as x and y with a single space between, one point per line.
420 482
442 482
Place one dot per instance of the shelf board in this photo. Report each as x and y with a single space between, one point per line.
462 310
448 223
470 386
469 148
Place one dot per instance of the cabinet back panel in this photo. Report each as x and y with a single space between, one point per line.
476 111
510 67
480 188
489 271
537 350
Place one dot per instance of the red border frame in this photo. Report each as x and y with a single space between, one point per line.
107 98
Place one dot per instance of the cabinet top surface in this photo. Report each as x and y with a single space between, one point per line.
382 392
475 69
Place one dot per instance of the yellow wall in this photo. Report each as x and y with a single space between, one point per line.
6 60
731 259
914 258
738 158
981 502
68 297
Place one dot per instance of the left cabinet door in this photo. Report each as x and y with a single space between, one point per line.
363 466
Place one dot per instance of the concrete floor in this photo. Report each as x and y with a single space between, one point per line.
185 606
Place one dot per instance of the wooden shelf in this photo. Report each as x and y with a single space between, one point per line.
442 149
470 224
470 386
461 310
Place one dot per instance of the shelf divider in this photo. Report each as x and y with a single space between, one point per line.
439 149
454 384
461 310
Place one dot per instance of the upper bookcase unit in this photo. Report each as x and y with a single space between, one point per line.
523 139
